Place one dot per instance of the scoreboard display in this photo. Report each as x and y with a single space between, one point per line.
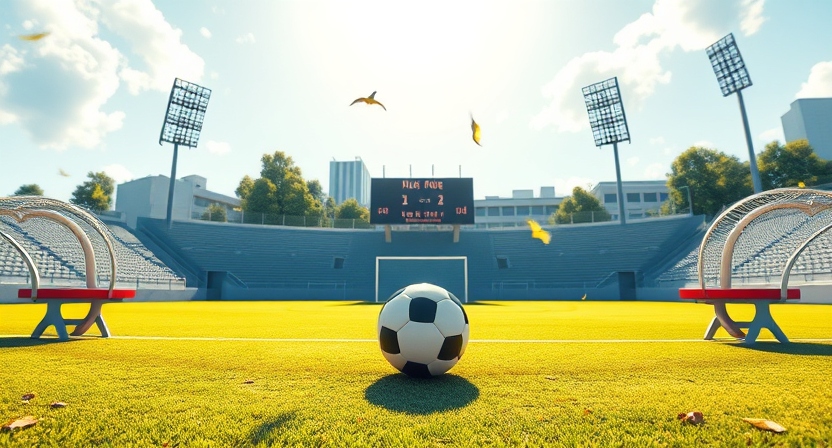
422 201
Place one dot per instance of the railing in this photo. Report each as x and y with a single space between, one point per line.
139 283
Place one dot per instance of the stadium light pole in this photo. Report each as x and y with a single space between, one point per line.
183 123
732 77
609 124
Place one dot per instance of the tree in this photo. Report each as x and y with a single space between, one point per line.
786 165
215 212
280 189
715 179
582 206
95 194
29 190
351 209
316 190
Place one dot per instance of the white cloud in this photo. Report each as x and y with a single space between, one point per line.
656 171
28 25
206 33
118 172
770 135
819 83
217 148
564 187
657 140
636 60
632 161
57 88
247 38
704 144
155 41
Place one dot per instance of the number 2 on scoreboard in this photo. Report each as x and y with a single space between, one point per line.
441 200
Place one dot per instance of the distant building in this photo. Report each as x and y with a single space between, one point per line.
494 211
641 197
349 179
810 118
148 197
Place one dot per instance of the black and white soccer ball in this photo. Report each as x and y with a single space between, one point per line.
423 330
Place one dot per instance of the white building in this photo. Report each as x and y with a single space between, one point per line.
641 197
148 197
810 118
494 211
349 179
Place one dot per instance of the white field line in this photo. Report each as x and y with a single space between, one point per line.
475 341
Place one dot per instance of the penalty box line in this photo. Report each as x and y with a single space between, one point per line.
475 341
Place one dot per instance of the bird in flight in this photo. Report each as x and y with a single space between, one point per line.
63 173
33 37
538 232
475 130
369 100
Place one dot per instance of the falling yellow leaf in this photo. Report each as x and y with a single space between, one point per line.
475 130
20 423
584 297
63 173
801 185
766 425
369 100
33 37
692 417
538 232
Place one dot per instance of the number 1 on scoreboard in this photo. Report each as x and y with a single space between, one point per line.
404 199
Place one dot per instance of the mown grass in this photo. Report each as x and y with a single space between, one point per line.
192 392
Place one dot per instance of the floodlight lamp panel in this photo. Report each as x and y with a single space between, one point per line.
728 65
186 112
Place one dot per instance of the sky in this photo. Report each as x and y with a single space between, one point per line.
91 96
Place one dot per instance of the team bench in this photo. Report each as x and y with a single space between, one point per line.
23 208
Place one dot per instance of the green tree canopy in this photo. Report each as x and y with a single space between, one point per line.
29 190
577 208
280 189
351 209
715 179
215 212
786 165
95 194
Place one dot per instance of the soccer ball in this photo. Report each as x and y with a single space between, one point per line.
422 330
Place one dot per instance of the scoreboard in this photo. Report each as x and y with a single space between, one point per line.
422 201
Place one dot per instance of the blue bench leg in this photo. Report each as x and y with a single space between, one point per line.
53 317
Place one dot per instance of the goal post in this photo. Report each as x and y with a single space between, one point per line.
394 273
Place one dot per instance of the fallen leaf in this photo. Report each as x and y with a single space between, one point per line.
587 411
57 404
692 417
22 422
248 382
549 377
766 425
27 397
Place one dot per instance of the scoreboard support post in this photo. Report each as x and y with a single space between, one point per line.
456 233
388 233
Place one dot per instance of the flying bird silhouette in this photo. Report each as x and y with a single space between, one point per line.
63 173
475 131
369 100
33 37
538 232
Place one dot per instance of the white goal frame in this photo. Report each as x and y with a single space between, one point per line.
464 269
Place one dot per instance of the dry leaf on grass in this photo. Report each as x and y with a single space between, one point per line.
57 404
549 377
766 425
692 417
27 397
248 382
22 422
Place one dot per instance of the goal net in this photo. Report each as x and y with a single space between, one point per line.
394 273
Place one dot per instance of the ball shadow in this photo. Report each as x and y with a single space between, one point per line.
267 432
790 348
401 393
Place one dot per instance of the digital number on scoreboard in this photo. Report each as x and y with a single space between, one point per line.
422 201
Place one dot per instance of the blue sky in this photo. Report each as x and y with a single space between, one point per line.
91 96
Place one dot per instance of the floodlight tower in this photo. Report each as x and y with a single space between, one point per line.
183 123
732 76
609 124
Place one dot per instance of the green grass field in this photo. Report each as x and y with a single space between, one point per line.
534 374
